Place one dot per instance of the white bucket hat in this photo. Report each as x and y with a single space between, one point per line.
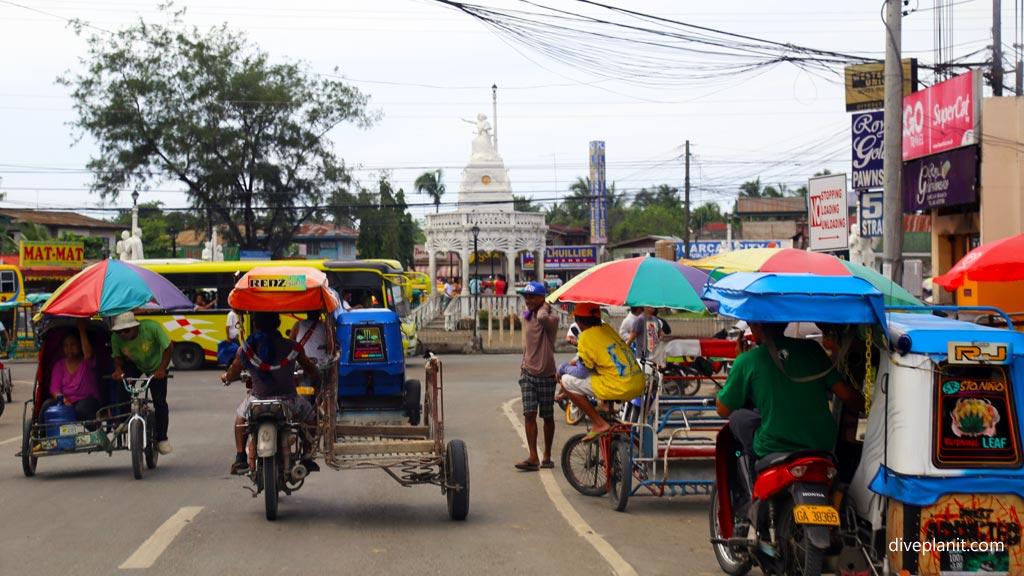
124 321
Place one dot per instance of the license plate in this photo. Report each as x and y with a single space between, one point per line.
806 514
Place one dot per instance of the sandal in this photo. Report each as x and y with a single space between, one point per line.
592 435
527 466
547 464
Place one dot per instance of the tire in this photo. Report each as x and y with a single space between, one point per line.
268 469
584 467
9 384
799 557
151 453
188 356
573 414
456 473
28 461
728 561
413 401
621 478
2 405
136 437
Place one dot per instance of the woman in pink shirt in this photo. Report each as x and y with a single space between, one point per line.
74 375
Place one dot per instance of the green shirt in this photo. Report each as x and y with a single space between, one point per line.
794 415
146 351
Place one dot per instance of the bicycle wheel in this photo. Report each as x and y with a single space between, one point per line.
620 479
584 466
152 454
136 440
573 414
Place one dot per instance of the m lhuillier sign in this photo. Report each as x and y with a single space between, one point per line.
828 213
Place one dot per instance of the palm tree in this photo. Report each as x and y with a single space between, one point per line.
430 183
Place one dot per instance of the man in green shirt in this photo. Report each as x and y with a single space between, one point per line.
772 410
144 348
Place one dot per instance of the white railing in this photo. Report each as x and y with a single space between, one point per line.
461 308
466 220
426 311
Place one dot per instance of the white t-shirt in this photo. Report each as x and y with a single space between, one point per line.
232 325
316 347
626 328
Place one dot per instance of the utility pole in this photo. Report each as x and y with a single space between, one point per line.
997 48
686 205
892 218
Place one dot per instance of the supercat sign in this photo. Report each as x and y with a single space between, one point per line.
278 282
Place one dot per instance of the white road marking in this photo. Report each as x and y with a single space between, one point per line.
613 558
9 440
150 550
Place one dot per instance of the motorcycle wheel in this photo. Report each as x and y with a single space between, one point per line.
584 467
621 478
727 560
799 557
28 460
135 433
268 469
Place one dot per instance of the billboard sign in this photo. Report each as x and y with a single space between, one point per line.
705 248
828 213
869 215
865 84
943 117
69 254
868 137
945 179
564 258
598 213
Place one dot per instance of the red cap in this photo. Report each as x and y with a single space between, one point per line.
587 309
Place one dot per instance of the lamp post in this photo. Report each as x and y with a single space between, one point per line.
476 292
135 211
174 238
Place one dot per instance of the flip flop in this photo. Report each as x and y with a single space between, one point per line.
527 466
547 464
592 435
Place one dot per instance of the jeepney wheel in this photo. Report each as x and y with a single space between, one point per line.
413 405
728 560
136 440
456 479
28 460
621 476
268 470
188 356
583 466
799 556
152 454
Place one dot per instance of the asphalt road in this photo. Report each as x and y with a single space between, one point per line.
85 514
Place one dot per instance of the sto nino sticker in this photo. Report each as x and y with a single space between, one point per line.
975 424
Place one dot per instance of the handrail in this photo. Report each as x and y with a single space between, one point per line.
943 308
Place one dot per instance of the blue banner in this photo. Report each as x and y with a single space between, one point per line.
705 248
868 136
598 215
870 214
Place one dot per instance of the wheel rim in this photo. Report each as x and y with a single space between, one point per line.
586 467
722 550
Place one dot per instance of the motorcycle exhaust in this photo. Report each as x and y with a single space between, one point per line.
298 473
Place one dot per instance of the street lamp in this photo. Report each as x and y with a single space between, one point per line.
174 237
135 211
476 276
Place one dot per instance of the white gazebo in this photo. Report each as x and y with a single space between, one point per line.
485 202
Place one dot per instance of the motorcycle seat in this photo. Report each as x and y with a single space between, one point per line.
776 458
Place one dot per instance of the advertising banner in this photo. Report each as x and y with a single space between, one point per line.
705 248
865 84
870 214
868 137
598 214
565 258
69 254
828 213
945 179
943 117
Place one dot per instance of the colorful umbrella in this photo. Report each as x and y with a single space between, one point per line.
999 261
111 287
638 282
802 261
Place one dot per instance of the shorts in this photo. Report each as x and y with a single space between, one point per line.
302 410
538 394
579 386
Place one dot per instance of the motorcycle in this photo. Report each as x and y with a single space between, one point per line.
275 439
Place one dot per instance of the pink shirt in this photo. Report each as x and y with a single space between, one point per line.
75 387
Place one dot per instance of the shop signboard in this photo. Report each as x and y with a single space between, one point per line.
704 248
598 207
868 137
828 213
565 258
870 213
945 179
865 84
68 254
943 117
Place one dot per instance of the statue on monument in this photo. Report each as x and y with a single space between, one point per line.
483 144
122 248
135 246
860 248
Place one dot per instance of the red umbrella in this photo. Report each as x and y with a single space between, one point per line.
999 261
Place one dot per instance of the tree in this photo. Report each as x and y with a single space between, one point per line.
245 137
524 204
29 232
386 229
751 189
705 214
431 184
802 191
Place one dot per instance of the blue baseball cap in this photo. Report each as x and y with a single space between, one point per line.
534 289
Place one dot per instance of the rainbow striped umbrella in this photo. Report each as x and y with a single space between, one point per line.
111 287
790 260
638 282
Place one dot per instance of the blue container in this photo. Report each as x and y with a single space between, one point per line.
55 417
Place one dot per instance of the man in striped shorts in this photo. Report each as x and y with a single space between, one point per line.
537 376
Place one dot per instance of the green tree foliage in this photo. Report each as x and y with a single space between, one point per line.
28 231
431 184
386 228
574 210
94 246
524 204
802 191
245 137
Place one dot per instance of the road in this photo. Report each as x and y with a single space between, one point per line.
85 514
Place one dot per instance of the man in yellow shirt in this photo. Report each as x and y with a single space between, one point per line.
605 368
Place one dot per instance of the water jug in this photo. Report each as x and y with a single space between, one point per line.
57 416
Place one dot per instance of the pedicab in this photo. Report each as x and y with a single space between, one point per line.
929 483
365 412
125 418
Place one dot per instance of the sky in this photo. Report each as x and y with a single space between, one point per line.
426 67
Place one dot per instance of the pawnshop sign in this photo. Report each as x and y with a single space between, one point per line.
868 136
943 117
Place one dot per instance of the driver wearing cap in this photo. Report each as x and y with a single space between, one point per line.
144 348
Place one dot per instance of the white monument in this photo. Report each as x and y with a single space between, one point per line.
212 250
136 245
485 185
123 247
860 248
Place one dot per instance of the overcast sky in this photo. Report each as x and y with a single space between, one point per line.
426 67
